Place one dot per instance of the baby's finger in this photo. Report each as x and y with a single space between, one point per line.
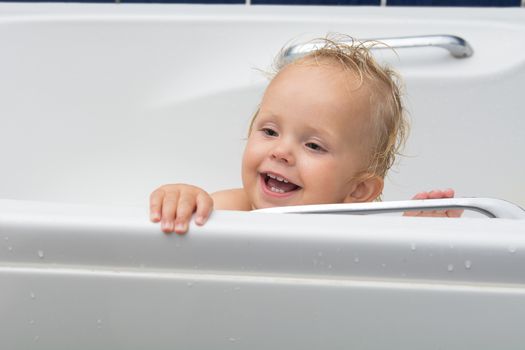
155 205
439 213
454 213
204 208
436 194
412 213
448 193
185 208
421 195
169 208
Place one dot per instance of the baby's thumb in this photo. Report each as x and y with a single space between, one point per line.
204 208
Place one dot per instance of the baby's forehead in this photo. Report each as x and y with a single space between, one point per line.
317 71
329 64
299 93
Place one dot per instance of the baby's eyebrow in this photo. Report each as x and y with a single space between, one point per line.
270 115
267 117
325 134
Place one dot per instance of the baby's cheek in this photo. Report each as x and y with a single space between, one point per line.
248 156
334 181
250 163
322 185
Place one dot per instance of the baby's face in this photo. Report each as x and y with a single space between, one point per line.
308 141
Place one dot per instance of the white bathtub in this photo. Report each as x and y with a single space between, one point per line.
100 104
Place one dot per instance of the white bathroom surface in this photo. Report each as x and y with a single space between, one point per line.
85 277
103 103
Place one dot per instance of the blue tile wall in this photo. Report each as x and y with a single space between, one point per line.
317 2
463 3
184 1
142 1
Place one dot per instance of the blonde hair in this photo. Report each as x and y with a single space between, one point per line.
388 122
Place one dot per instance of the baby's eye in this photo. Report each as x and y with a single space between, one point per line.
270 132
314 146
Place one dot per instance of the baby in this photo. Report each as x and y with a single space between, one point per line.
327 130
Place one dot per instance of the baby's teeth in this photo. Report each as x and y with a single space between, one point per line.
278 190
278 178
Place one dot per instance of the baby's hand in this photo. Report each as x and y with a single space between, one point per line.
173 205
436 194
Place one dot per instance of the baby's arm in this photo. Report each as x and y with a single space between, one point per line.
436 194
234 199
173 205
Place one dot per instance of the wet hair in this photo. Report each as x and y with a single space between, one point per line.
388 124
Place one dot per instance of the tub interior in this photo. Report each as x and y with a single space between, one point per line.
103 106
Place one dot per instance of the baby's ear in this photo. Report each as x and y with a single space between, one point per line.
366 188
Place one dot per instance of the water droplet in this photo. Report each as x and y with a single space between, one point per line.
450 268
356 260
6 238
383 265
31 321
451 246
512 249
10 248
41 254
32 295
413 246
36 338
330 266
99 323
237 288
468 264
189 284
232 339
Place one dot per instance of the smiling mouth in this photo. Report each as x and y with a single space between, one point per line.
277 184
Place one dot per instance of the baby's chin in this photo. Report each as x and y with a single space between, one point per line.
261 203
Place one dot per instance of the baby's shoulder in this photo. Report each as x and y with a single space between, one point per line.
232 199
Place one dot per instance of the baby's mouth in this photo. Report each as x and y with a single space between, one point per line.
278 184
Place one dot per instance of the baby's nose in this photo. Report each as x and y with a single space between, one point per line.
283 153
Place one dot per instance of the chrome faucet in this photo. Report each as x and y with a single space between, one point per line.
458 47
